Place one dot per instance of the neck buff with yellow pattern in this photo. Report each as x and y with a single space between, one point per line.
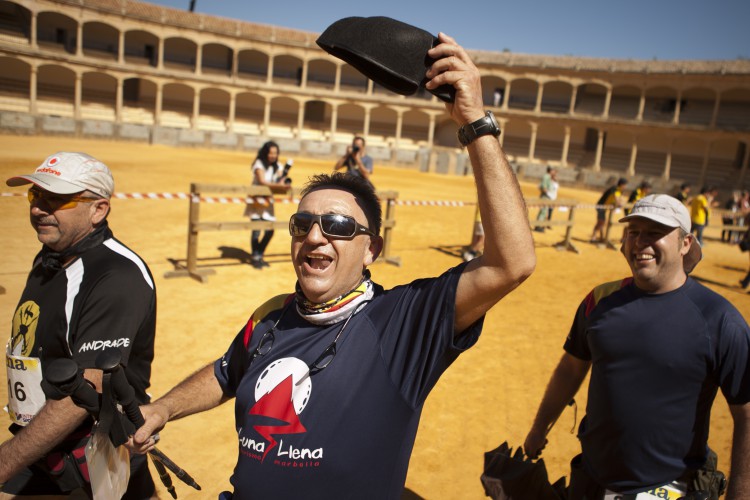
334 310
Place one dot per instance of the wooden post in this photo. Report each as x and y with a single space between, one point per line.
190 266
388 224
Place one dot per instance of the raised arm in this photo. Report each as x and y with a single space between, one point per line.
739 479
564 384
199 392
508 257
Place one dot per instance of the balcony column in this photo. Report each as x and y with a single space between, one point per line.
232 111
633 156
532 141
539 94
506 97
668 162
573 97
160 55
235 63
121 47
431 131
366 130
32 90
566 147
32 37
198 60
599 149
79 40
305 71
502 123
607 103
266 116
677 108
641 105
196 109
399 126
118 101
334 120
715 114
269 75
337 81
77 98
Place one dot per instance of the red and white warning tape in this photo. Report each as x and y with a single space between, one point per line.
263 200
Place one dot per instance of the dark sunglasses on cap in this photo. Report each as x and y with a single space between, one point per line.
331 225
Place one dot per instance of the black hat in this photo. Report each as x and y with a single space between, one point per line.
391 53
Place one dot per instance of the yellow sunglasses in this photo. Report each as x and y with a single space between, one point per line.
58 201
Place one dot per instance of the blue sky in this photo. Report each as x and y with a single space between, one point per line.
634 29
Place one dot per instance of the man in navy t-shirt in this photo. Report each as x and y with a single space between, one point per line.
329 381
659 345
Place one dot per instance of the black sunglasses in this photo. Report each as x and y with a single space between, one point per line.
331 225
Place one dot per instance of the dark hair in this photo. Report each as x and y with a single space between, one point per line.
622 181
684 185
360 138
362 190
264 150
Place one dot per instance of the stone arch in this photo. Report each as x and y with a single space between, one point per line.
252 65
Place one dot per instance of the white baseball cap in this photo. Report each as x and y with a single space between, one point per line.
68 173
670 212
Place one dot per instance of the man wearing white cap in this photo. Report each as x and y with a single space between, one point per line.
86 292
659 345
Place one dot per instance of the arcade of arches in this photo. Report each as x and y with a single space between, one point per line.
153 66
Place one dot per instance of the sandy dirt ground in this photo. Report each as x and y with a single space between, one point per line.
488 396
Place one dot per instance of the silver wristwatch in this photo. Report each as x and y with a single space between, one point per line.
484 126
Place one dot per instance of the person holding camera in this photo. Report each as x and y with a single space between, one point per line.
355 160
266 172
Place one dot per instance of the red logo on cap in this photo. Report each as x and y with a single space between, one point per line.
53 161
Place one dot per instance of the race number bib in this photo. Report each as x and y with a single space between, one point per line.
670 491
25 395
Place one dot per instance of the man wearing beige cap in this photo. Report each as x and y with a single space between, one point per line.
659 345
86 292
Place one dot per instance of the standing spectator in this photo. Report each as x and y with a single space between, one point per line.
547 191
86 290
612 196
643 190
356 161
659 345
683 195
699 211
266 172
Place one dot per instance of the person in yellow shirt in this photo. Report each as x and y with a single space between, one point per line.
699 211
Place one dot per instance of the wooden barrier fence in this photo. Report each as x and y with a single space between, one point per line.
189 266
559 205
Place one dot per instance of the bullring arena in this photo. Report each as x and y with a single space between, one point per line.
168 98
489 395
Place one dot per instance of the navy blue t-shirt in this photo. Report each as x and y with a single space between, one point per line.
348 430
657 363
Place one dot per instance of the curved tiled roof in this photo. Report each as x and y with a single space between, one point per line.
255 31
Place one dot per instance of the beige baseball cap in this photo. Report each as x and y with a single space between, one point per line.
68 173
670 212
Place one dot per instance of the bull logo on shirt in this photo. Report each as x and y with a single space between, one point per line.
281 393
23 334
